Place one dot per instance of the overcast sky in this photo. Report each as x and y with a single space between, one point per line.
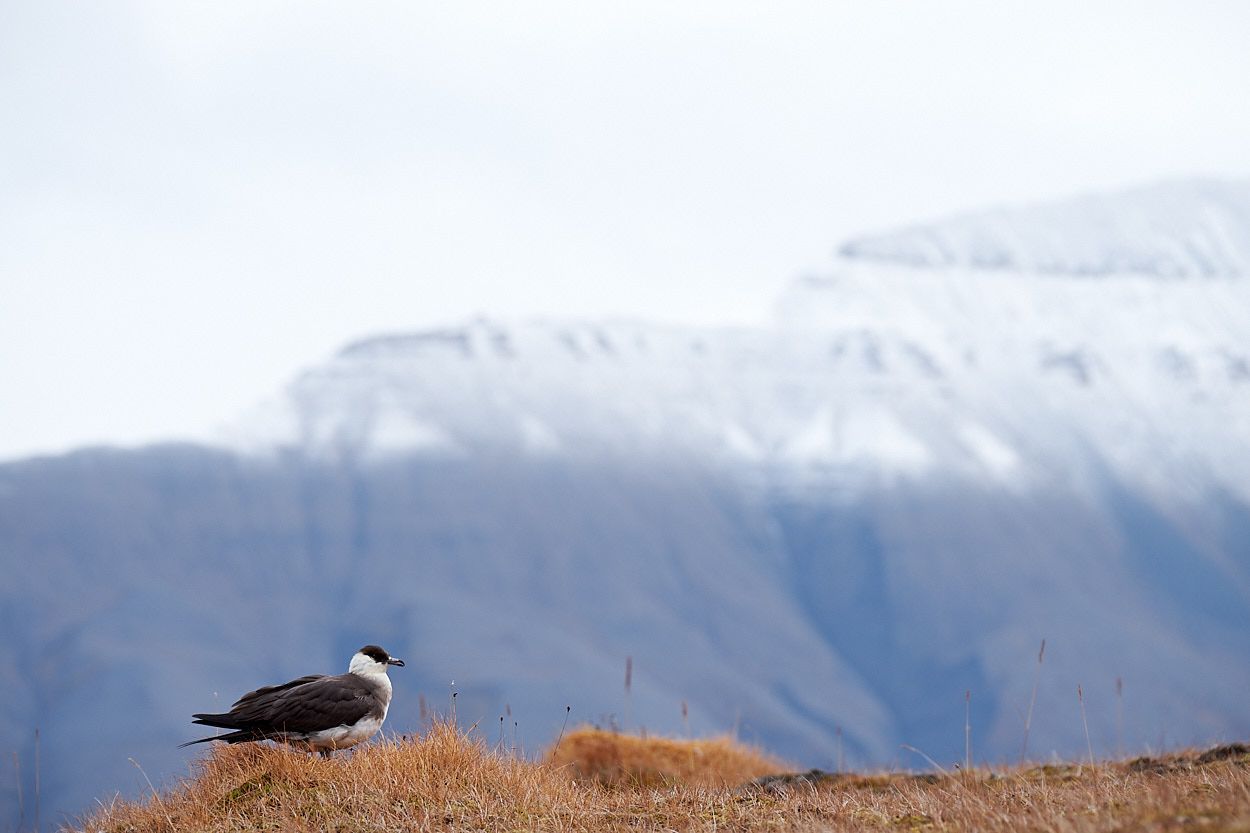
198 199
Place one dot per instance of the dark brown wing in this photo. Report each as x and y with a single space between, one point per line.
261 693
320 703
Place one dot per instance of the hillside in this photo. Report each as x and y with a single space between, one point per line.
822 530
447 780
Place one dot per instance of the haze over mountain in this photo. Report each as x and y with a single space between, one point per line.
960 439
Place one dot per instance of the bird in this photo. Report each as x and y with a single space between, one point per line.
318 713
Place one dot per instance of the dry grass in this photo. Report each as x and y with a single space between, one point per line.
447 782
445 779
614 759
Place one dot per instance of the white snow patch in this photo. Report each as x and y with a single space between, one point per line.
537 437
878 436
394 431
989 450
814 441
868 436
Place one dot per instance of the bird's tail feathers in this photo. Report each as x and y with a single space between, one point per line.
217 721
231 737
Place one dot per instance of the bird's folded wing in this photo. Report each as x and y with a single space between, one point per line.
318 704
264 694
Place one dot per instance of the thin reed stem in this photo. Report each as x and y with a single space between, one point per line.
1080 696
1119 717
932 762
556 748
629 681
155 795
968 730
1028 720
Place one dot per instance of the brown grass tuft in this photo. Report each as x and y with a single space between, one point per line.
613 759
448 781
445 778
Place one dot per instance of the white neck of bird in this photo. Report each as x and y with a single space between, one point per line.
366 666
372 670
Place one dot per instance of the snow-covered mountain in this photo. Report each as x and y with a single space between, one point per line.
847 518
1178 229
869 370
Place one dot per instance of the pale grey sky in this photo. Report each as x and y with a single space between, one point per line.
198 199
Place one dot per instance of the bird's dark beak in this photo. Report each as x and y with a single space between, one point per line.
393 661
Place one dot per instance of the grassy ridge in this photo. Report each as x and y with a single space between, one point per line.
596 781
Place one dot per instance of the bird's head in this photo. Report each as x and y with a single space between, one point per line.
372 660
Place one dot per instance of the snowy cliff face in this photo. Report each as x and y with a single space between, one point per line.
847 518
1181 229
975 345
945 462
1043 377
871 374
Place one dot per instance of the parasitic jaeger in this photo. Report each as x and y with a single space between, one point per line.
319 713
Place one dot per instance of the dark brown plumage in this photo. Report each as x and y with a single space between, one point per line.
316 711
